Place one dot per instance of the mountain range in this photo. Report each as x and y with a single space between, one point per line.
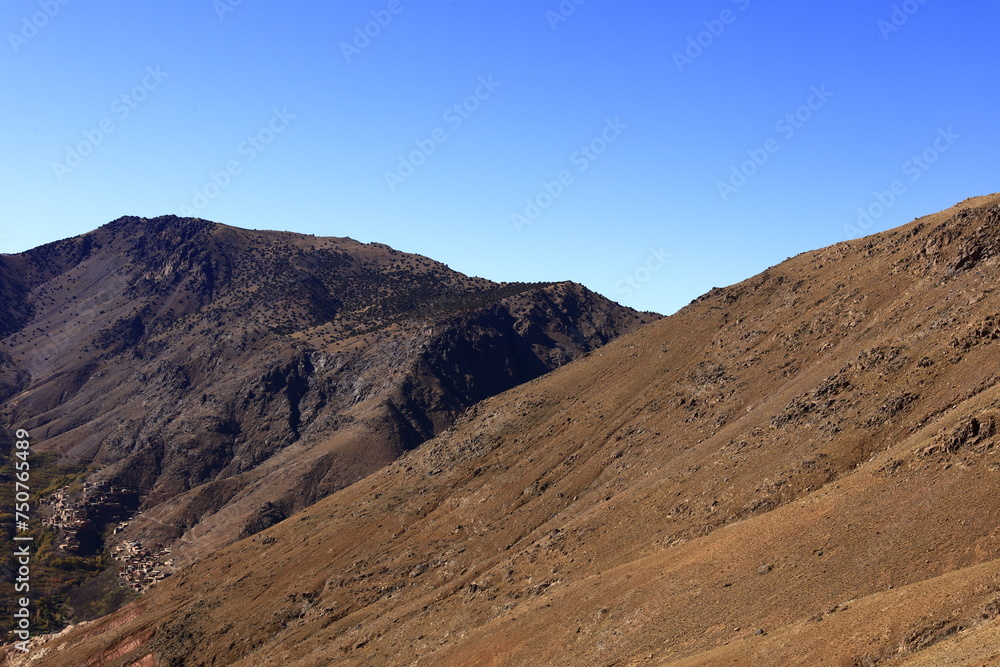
798 469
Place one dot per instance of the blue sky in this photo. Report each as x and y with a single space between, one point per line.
648 150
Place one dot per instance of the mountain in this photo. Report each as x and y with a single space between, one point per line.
217 380
797 469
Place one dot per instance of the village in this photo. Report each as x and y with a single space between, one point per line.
79 523
139 566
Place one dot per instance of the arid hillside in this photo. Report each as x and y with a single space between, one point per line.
228 378
800 469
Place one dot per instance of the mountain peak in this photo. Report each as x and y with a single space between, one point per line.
227 378
167 226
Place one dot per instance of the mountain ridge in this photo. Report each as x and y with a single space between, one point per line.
213 369
798 469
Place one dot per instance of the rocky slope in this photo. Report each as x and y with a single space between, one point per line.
233 377
798 469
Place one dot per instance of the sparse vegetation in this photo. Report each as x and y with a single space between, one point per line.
55 575
177 356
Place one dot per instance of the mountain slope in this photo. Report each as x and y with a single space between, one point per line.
798 469
232 377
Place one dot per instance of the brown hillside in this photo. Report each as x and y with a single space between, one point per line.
798 469
232 377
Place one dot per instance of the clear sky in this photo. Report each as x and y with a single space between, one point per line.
679 146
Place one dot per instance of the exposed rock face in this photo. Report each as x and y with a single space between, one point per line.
235 377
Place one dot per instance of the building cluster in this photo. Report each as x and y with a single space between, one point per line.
78 521
67 518
141 567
